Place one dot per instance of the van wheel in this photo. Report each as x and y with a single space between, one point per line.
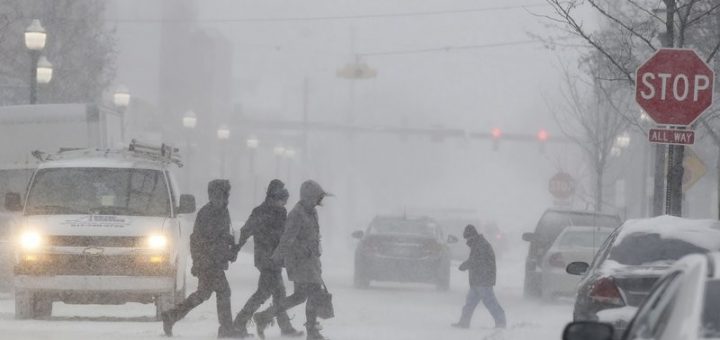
24 305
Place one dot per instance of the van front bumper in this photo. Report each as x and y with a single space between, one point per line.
69 283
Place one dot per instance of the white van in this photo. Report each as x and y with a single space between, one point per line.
101 227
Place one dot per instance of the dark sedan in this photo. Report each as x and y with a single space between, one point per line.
401 249
633 258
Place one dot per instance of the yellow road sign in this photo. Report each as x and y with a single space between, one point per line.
694 169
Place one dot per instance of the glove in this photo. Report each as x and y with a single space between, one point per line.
194 271
463 267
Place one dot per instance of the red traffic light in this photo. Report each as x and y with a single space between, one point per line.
542 135
496 133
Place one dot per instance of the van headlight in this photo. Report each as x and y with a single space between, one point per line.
157 242
31 240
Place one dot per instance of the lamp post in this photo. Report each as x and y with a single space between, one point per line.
279 151
189 122
223 134
44 71
290 155
121 97
35 38
252 144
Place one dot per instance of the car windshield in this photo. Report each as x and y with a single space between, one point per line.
403 226
584 238
710 327
13 180
649 248
105 191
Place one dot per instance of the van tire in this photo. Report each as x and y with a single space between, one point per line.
43 307
24 305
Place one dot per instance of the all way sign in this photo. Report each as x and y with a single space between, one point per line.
680 137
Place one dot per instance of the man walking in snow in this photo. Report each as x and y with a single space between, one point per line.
266 225
211 248
299 250
482 272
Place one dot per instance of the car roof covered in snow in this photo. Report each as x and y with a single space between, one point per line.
702 233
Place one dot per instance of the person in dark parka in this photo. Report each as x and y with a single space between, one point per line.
211 248
266 225
481 267
299 250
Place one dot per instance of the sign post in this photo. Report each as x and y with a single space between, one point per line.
674 87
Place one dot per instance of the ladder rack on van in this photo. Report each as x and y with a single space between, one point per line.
163 153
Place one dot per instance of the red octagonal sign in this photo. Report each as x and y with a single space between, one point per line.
674 86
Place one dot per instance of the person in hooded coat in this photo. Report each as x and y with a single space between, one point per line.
211 248
481 267
299 250
266 225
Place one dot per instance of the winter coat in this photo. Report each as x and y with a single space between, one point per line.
480 263
266 225
299 247
211 244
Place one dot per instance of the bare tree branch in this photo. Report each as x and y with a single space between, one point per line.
622 24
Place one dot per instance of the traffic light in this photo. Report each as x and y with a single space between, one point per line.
496 133
542 137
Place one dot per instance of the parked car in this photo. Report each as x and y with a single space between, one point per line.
574 244
683 304
632 260
550 225
402 249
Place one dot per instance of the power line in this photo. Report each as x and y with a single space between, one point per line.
448 48
339 17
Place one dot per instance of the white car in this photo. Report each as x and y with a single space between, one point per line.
574 244
101 227
683 304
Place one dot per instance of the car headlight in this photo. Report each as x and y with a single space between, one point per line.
30 240
157 242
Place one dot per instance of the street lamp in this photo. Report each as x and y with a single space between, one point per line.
223 134
279 151
44 71
623 140
290 155
252 144
35 38
121 97
189 120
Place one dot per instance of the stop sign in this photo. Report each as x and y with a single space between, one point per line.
674 86
562 186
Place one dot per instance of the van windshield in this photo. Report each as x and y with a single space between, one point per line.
104 191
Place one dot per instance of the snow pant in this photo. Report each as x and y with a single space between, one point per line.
209 281
302 292
487 296
269 284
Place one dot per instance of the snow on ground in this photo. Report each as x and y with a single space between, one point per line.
384 312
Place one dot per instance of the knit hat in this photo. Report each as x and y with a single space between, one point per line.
276 190
470 231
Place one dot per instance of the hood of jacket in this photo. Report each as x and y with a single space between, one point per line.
311 193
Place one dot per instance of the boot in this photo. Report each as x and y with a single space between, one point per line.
263 320
168 320
286 328
231 333
241 320
313 332
461 325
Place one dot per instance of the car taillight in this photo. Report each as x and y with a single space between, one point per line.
606 291
556 260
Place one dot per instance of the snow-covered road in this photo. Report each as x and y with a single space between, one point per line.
383 312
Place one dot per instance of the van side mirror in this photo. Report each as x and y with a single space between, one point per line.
588 330
452 239
358 234
13 202
577 268
528 237
187 204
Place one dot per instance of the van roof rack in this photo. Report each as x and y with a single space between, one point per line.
163 153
